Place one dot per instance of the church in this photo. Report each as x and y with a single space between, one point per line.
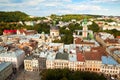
83 34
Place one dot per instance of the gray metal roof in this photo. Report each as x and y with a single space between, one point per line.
3 65
15 53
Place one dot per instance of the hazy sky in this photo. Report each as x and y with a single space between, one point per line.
47 7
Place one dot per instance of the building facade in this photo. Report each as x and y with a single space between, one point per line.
16 57
35 64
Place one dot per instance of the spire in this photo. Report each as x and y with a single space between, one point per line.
84 22
54 23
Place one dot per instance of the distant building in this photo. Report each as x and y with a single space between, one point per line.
9 32
85 29
106 39
54 31
30 23
5 70
80 42
26 32
84 33
107 27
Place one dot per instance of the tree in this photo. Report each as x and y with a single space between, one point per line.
94 27
42 27
113 31
12 16
66 74
64 78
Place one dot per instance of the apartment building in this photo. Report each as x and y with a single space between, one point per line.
5 70
34 63
14 55
110 66
93 59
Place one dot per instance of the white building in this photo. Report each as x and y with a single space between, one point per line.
107 27
16 57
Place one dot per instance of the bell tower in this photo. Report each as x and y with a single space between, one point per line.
85 28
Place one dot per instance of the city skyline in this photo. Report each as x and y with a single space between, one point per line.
59 7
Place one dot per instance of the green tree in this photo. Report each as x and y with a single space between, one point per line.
64 78
94 27
66 74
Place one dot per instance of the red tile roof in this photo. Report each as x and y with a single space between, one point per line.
9 32
80 57
92 56
118 37
111 41
27 32
95 54
79 41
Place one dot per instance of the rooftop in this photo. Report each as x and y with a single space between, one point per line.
111 40
54 28
36 36
1 48
56 44
51 55
29 58
88 42
43 54
104 35
108 60
3 65
92 56
116 51
80 57
14 53
72 57
63 56
95 54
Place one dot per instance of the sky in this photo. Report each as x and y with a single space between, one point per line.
61 7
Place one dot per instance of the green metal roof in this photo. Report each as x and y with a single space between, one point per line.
63 56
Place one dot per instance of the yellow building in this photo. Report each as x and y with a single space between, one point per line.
34 63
